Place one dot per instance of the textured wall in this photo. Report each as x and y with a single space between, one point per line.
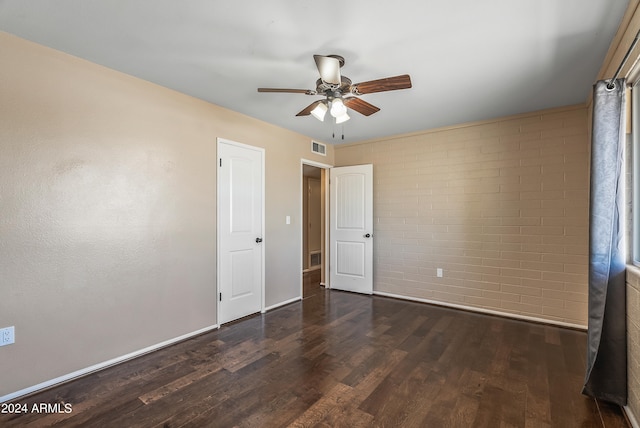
108 212
501 206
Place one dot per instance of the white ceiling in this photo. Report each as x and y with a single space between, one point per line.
468 59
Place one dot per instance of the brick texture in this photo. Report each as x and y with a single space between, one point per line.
501 206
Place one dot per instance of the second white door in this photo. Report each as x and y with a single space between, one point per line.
352 228
240 230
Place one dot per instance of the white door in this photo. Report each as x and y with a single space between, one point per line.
240 226
352 228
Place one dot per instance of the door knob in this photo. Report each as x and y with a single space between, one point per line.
368 235
258 240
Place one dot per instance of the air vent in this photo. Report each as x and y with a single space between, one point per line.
318 148
316 259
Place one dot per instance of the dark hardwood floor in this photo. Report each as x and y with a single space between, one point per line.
338 359
311 283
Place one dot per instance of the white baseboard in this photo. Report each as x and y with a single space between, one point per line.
631 417
277 305
103 365
484 311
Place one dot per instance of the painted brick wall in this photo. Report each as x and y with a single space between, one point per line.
501 206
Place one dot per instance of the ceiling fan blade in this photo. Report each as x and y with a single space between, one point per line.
329 69
289 91
382 85
360 106
307 110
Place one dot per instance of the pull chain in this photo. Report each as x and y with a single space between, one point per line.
333 135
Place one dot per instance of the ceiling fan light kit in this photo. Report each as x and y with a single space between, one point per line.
342 118
320 111
333 86
337 107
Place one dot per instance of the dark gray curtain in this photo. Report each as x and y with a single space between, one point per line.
606 376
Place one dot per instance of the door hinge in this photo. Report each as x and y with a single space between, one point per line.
220 161
221 297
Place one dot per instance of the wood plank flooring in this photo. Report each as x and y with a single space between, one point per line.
311 283
338 359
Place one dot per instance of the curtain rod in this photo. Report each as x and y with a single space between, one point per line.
611 83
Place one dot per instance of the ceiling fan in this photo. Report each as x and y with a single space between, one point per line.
340 93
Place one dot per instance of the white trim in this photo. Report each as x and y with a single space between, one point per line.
286 302
631 416
316 164
104 364
484 311
264 225
327 227
220 140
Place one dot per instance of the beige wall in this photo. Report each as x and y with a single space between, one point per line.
108 212
501 206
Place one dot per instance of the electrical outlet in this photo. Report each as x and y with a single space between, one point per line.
7 335
439 272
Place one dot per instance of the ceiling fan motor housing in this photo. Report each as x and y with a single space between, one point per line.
339 58
328 89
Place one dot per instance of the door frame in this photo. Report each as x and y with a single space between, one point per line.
219 141
325 262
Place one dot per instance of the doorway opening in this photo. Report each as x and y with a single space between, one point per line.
314 254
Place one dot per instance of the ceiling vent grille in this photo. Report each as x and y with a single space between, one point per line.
318 148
